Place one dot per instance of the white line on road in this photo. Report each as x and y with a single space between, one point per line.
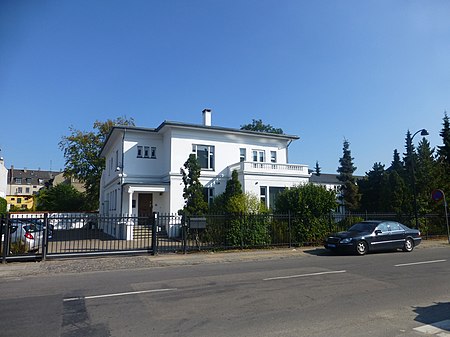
438 328
117 294
415 263
304 275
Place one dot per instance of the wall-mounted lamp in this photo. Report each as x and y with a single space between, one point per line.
256 183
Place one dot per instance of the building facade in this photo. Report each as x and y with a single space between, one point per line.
3 179
23 184
142 173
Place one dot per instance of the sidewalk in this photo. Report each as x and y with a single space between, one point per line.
14 270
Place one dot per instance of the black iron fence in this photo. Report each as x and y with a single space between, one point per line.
46 235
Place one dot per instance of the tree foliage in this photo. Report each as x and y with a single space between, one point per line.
60 198
82 155
349 190
3 206
310 204
195 203
317 169
259 126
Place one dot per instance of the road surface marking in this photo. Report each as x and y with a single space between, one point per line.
304 275
117 294
415 263
439 328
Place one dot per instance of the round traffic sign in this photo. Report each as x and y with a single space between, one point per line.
437 195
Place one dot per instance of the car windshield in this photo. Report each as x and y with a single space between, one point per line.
363 227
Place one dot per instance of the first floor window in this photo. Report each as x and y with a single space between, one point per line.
153 152
139 151
208 195
263 194
273 194
205 156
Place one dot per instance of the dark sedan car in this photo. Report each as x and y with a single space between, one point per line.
368 236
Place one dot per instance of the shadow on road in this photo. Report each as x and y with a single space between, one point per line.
435 313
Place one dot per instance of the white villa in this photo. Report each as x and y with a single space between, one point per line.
142 173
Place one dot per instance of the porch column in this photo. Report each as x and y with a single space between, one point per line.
130 202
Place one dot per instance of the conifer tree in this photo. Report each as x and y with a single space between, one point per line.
373 189
349 189
195 203
317 169
425 175
444 150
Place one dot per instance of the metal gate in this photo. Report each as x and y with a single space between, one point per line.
45 235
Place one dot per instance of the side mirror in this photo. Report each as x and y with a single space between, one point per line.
378 231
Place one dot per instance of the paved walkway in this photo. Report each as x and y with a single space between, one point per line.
13 270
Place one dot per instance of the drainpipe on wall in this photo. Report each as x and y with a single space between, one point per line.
287 152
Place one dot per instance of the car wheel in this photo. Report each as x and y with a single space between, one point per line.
362 247
409 245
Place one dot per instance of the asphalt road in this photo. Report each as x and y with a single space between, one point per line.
306 294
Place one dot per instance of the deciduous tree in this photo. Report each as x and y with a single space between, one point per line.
82 156
258 125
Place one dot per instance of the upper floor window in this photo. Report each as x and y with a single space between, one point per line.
19 189
205 156
41 181
242 155
18 180
273 156
146 152
28 181
259 155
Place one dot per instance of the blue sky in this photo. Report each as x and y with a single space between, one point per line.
365 71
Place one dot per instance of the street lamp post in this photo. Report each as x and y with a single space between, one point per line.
423 132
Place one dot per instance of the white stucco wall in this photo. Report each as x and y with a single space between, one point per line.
3 179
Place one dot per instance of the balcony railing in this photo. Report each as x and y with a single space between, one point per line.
270 168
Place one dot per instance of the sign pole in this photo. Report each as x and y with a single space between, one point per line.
446 218
438 195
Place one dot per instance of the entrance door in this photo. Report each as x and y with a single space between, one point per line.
145 204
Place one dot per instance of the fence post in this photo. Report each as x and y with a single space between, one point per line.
290 228
184 233
45 237
5 235
154 234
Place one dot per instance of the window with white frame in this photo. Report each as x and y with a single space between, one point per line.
259 156
208 194
146 151
273 156
242 154
263 194
153 152
139 151
205 156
